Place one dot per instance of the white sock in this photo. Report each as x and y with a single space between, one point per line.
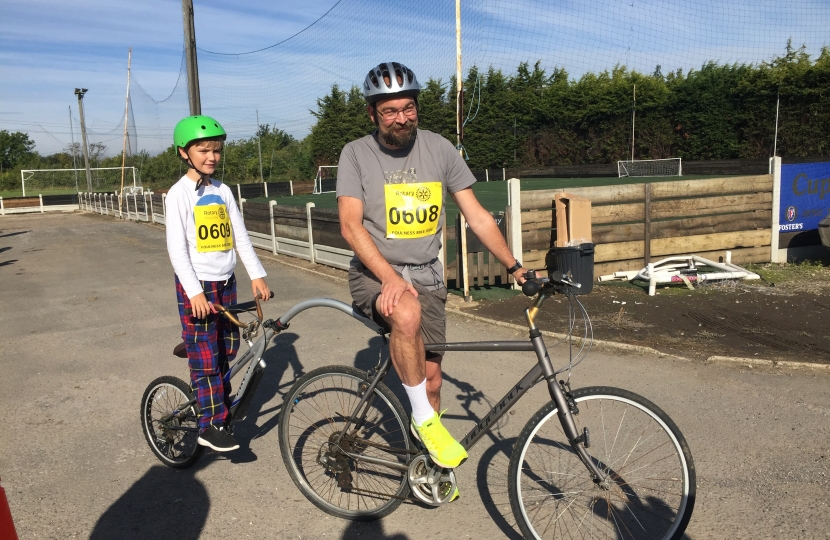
421 409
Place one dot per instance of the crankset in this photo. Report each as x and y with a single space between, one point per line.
430 483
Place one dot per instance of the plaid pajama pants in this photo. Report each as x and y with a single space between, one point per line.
211 344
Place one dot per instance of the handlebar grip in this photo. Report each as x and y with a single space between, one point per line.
531 287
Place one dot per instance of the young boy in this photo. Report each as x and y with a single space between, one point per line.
203 227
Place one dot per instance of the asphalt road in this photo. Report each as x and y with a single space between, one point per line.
89 318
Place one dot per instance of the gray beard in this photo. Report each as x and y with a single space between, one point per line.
405 139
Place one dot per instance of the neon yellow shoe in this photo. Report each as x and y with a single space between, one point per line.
444 450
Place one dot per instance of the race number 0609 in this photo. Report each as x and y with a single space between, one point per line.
422 214
216 231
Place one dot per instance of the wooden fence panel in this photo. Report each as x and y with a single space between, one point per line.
304 188
325 225
257 217
712 186
704 217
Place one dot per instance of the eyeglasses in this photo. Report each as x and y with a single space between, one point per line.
390 114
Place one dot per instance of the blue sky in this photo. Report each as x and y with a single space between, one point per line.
49 47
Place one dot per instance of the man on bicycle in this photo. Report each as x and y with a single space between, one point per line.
391 189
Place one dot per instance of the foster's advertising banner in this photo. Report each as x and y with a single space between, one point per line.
805 196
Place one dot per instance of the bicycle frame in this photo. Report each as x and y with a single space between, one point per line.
543 369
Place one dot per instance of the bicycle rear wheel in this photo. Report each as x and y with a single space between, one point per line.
346 479
171 429
650 491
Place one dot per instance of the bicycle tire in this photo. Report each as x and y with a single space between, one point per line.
313 414
175 448
652 490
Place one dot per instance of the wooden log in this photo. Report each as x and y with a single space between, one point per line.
661 247
712 186
538 239
712 224
598 195
727 204
619 250
600 215
607 268
616 213
607 234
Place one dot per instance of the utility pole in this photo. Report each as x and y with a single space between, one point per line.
190 58
259 147
74 162
126 119
80 93
459 131
459 100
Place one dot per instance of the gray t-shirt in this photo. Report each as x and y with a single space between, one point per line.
406 224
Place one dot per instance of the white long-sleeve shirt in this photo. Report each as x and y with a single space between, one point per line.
190 265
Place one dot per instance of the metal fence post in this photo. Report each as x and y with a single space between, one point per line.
152 213
241 201
308 208
2 208
144 200
271 205
164 207
39 196
265 188
239 193
291 186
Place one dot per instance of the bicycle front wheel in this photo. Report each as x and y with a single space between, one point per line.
650 490
345 474
170 426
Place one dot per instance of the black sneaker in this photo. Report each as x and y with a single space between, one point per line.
218 439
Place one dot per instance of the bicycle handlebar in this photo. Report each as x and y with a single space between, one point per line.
237 308
533 284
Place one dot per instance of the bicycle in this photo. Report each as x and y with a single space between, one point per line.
169 413
345 440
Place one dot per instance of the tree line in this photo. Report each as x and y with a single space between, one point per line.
536 118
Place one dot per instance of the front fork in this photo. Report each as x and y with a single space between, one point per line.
560 394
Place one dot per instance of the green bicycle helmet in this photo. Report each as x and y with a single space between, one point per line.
194 128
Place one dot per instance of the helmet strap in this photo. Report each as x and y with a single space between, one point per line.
204 179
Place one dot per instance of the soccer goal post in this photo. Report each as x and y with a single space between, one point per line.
650 167
74 180
326 180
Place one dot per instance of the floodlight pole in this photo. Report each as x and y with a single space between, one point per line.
126 120
259 147
190 58
80 93
72 135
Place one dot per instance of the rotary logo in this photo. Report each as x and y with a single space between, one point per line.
221 213
791 213
423 194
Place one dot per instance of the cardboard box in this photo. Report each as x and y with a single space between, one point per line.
573 219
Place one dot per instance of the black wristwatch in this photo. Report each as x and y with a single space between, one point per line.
515 267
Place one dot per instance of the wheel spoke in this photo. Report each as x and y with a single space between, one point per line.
645 495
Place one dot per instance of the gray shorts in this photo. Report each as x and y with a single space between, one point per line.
432 294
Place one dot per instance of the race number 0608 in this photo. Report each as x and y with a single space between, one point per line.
422 214
216 230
